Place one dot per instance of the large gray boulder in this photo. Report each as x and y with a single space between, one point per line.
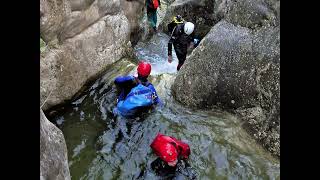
53 14
252 13
92 35
53 152
78 21
64 71
237 69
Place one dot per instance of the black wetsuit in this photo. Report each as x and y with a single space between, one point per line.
180 41
181 171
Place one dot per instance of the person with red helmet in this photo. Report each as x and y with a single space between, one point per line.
125 84
169 149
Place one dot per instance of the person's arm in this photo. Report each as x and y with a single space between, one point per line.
170 47
124 80
172 39
170 50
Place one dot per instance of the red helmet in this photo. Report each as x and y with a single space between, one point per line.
144 69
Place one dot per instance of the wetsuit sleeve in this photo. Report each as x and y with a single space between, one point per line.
172 39
170 27
170 47
124 80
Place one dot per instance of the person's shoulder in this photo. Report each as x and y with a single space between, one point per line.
149 84
180 28
125 76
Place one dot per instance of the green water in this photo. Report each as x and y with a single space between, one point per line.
103 147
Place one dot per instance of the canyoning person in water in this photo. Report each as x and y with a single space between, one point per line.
136 93
169 149
182 38
172 153
152 6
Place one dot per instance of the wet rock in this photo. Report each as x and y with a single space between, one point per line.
83 40
236 68
251 14
264 127
64 71
52 18
218 69
53 152
78 21
80 5
134 11
204 14
248 13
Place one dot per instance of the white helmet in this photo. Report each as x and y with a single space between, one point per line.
188 28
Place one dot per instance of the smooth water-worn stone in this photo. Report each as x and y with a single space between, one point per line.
53 152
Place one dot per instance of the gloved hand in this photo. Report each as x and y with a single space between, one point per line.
135 75
169 58
196 41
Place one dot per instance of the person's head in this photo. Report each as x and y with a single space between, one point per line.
179 18
188 28
144 70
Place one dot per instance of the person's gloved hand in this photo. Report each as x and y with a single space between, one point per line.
196 41
135 75
169 58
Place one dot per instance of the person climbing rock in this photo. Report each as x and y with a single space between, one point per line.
182 38
135 93
169 149
152 6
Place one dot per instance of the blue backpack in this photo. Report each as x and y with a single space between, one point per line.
139 97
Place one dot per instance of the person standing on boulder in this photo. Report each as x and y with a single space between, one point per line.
152 6
181 37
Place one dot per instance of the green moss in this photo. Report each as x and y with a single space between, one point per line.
42 45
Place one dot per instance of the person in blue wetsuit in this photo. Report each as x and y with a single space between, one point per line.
126 83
